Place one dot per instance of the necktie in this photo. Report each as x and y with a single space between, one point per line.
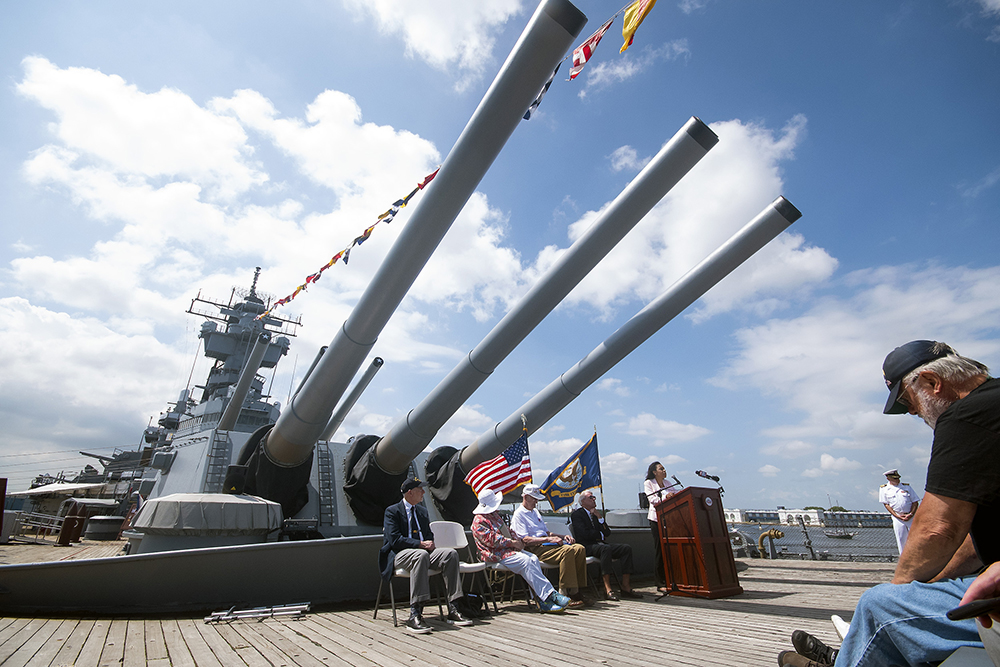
414 531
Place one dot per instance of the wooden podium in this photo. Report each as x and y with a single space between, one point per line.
697 556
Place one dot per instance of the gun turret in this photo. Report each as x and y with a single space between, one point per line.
286 449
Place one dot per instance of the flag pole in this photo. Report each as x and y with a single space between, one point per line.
601 485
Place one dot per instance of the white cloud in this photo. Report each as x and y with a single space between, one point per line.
70 352
615 385
609 72
625 157
691 6
150 135
384 161
768 470
990 6
984 184
661 431
825 364
444 33
730 186
834 464
622 465
672 460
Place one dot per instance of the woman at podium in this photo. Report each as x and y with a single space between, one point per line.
657 491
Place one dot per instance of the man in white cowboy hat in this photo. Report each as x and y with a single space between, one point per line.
408 543
550 548
902 502
496 544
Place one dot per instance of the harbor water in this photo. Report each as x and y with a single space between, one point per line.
872 544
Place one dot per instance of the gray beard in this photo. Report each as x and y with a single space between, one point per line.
931 407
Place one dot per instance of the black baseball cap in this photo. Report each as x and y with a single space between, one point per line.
901 362
411 484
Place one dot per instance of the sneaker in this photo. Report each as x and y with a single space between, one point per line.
793 659
456 618
811 647
417 626
553 605
561 600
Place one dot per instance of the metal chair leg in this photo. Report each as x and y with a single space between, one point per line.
378 598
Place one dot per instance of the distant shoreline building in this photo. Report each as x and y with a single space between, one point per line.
811 517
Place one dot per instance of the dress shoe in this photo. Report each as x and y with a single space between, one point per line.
812 648
633 594
793 659
417 626
455 618
554 604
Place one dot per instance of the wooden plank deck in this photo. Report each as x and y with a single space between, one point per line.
780 596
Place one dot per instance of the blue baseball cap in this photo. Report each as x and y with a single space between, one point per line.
901 362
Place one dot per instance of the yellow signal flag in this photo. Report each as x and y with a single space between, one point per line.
634 16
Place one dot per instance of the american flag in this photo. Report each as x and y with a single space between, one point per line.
582 53
504 473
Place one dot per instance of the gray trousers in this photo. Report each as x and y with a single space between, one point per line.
418 562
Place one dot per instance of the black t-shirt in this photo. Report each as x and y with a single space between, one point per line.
965 462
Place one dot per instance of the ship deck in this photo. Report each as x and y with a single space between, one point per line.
749 629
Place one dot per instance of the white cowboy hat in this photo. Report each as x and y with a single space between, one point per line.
489 501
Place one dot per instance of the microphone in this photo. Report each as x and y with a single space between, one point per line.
702 473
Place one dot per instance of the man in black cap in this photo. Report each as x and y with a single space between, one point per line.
954 530
408 544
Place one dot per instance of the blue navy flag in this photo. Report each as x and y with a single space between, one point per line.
581 472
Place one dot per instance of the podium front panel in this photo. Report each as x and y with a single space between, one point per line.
697 556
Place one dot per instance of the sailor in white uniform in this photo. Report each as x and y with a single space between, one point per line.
901 501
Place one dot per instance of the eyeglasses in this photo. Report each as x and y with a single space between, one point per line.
902 398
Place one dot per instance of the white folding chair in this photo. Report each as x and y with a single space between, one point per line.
451 535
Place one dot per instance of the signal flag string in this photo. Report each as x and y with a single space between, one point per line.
345 254
635 13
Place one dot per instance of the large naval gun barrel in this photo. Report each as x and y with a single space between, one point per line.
409 436
288 446
253 362
455 498
345 407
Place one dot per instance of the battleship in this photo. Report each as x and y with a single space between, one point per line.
250 503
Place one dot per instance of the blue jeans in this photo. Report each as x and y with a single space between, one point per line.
906 625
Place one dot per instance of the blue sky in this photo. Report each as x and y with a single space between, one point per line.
151 151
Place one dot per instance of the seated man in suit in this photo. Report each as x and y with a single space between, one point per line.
408 543
590 530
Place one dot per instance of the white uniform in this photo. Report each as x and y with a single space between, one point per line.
900 499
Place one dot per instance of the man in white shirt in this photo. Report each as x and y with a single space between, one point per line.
550 548
901 501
